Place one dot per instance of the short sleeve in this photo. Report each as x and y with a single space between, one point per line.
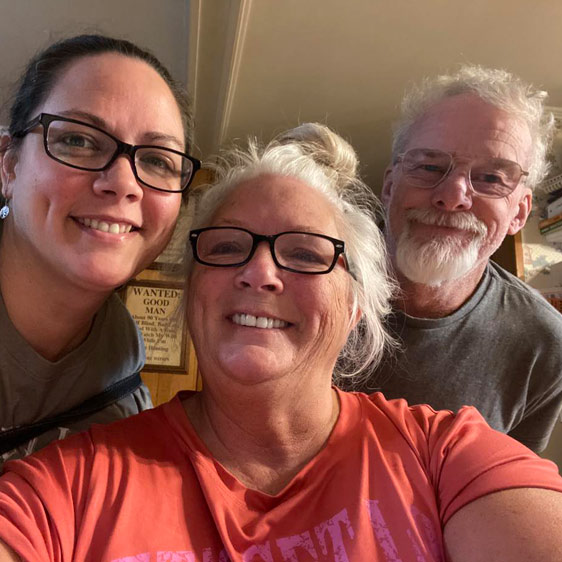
469 460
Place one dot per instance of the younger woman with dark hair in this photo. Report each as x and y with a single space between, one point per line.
93 168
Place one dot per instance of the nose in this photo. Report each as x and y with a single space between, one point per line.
260 273
454 193
119 181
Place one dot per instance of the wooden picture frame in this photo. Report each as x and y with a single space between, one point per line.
156 308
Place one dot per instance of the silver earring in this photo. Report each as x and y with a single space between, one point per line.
4 211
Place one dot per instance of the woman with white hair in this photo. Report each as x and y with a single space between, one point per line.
270 462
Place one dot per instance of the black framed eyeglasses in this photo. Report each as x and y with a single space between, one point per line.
488 177
86 147
299 252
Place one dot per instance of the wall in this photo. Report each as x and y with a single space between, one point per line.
27 26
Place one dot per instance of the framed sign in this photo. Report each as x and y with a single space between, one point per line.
155 306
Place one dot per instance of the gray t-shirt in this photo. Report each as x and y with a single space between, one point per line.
501 352
33 388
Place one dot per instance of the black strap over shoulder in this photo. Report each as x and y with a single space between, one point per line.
12 438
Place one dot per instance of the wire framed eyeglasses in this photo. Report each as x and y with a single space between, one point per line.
488 177
86 147
299 252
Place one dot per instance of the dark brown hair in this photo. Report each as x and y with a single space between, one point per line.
44 69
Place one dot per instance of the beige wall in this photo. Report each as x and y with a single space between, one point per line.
27 26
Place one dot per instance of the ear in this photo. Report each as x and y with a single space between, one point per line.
523 209
8 160
387 186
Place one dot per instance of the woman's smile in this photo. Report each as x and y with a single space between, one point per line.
113 227
263 322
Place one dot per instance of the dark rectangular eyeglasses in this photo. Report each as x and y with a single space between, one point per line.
489 177
86 147
300 252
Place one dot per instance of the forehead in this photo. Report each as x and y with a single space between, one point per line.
271 204
466 125
116 88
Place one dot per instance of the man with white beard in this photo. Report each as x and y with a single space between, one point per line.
467 152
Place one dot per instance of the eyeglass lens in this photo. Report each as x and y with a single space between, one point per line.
90 149
304 252
493 177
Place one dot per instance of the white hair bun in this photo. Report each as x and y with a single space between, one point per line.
327 148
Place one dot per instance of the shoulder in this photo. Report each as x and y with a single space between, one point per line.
115 347
416 424
511 291
399 409
138 435
75 480
143 433
126 405
433 433
461 455
114 322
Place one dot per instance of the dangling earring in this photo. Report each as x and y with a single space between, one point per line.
4 211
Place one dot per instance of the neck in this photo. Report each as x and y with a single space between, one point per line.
265 435
53 317
437 301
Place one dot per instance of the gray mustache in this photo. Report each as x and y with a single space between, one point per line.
460 220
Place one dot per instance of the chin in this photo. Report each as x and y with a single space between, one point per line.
250 364
103 279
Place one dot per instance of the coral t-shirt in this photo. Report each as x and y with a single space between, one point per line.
146 489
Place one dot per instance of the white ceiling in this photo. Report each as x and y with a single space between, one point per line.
262 66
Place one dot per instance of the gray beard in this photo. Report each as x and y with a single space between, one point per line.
435 261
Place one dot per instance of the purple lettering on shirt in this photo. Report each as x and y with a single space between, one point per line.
381 531
261 550
145 557
333 528
175 556
416 546
289 545
429 537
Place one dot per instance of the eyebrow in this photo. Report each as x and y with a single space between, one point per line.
297 228
149 136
